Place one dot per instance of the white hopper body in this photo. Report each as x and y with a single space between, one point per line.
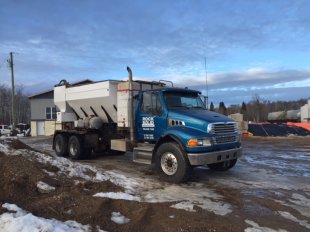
96 98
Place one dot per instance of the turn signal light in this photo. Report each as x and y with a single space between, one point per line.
192 143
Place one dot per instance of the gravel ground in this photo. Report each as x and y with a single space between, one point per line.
268 190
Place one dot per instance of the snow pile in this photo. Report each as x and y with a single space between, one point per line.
44 188
187 197
186 205
289 216
136 189
299 203
118 218
4 147
20 220
75 169
118 195
48 173
302 204
256 228
300 200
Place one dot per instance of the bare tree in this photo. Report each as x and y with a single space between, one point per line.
22 105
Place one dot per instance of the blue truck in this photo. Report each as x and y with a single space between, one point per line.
167 127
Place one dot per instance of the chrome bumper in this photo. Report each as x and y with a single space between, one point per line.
214 157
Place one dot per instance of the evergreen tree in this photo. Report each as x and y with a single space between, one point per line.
211 106
243 111
222 108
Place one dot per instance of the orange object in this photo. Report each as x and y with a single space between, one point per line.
305 125
192 143
247 134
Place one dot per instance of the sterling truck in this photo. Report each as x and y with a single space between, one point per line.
169 128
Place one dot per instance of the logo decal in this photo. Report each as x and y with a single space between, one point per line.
148 122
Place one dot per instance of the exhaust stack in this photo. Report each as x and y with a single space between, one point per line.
130 109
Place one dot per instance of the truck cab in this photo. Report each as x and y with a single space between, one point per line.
181 133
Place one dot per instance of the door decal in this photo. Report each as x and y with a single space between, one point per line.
148 123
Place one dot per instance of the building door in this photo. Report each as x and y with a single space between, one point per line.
40 128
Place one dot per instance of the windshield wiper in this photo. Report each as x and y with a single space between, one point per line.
179 106
198 107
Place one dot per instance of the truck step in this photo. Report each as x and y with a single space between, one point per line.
143 153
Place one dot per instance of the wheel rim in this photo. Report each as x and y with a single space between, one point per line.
58 145
73 148
169 163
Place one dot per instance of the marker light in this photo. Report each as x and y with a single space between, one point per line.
192 143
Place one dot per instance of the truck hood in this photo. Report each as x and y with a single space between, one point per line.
197 118
200 114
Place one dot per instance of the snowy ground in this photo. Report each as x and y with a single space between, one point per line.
268 190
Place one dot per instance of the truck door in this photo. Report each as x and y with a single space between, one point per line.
151 117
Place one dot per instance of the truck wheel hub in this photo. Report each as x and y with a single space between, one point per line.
73 148
58 146
169 163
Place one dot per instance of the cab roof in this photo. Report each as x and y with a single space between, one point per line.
182 90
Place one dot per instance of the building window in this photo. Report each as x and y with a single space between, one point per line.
50 112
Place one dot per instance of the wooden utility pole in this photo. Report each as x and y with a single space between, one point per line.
10 61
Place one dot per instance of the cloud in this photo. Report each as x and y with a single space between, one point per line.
159 40
241 86
245 95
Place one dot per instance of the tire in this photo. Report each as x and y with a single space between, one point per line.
223 166
61 145
75 148
172 163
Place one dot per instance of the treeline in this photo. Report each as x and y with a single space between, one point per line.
22 105
257 109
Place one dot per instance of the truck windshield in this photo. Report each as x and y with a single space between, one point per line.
183 100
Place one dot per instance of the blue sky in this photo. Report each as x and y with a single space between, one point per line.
251 47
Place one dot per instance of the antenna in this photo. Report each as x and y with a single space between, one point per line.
207 89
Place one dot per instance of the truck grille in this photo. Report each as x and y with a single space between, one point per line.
225 139
222 128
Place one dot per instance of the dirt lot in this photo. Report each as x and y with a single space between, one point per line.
268 189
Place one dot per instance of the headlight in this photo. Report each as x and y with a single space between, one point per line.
210 128
199 143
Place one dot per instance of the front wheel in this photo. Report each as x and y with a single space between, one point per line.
223 166
172 163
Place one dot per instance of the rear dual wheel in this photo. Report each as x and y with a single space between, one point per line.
61 145
74 147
